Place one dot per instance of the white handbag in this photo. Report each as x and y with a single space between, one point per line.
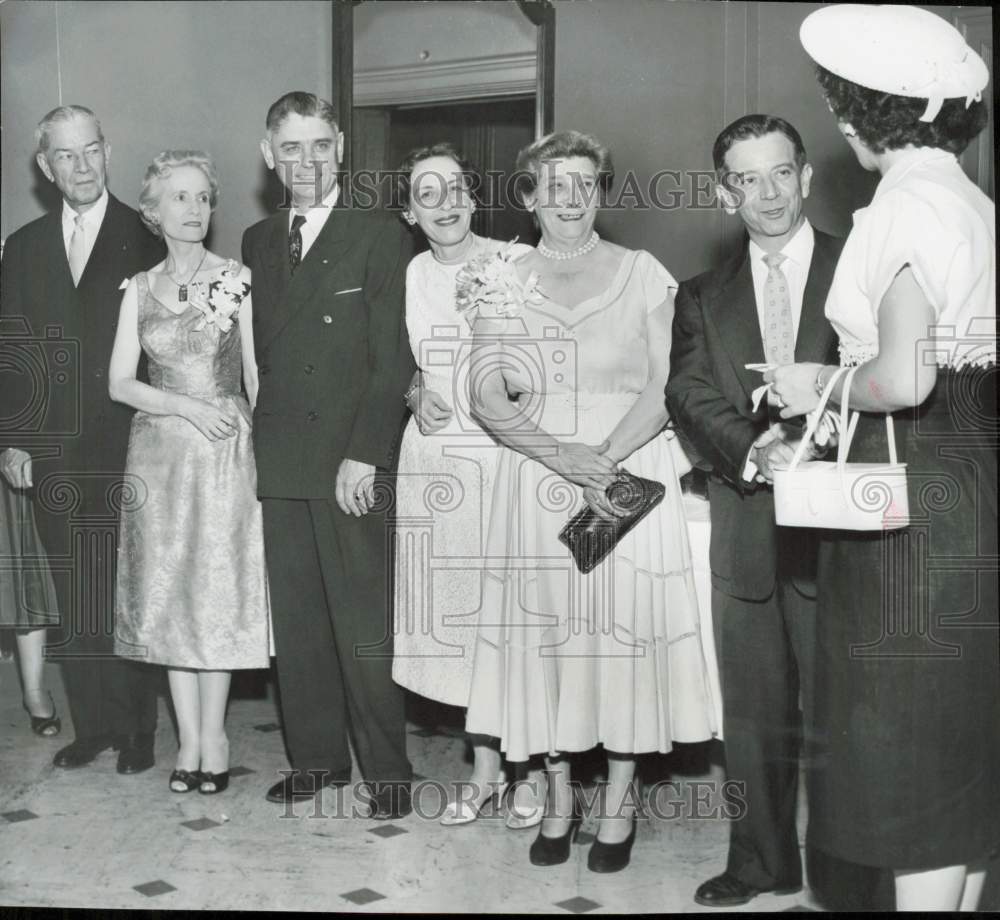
838 494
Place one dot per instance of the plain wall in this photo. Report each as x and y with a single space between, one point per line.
177 74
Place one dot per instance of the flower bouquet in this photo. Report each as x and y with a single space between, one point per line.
488 285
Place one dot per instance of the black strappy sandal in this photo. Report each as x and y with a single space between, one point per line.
45 726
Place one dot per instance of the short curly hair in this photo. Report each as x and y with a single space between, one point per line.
559 146
885 121
418 155
164 163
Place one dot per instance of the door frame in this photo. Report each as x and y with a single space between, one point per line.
540 13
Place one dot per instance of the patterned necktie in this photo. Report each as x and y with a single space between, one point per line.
295 242
77 250
779 336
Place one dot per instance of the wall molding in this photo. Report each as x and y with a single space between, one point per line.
470 78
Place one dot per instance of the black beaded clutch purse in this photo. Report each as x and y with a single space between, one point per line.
590 537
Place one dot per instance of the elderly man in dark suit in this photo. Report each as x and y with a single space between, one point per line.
764 306
62 277
334 365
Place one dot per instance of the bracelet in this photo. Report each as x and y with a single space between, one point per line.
413 389
818 385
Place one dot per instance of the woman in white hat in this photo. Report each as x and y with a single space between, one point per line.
907 677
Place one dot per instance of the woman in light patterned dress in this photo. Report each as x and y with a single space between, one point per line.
444 485
191 591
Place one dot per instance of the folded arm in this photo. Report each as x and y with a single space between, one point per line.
123 387
512 423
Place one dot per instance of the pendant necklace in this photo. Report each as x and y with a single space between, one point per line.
182 289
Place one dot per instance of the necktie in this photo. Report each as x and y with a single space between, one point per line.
77 250
779 336
295 242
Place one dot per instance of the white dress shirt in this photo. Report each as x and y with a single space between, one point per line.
798 252
315 217
91 224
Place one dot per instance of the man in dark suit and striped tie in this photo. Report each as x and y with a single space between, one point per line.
334 363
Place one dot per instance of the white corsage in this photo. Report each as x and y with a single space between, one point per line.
488 285
220 303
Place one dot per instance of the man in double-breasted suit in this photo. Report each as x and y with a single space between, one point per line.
334 365
766 305
62 435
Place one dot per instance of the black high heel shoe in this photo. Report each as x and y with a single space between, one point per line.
551 851
612 857
45 726
189 779
219 782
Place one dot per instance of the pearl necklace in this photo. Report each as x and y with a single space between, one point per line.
572 253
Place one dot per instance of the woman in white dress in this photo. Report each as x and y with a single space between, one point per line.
569 375
446 469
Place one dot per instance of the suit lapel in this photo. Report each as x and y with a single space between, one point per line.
734 311
275 258
106 246
814 329
326 251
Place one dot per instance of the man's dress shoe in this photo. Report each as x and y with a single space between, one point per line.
389 801
304 784
83 751
135 753
728 891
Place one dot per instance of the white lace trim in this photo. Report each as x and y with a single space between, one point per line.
855 353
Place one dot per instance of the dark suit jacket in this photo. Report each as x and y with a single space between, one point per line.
715 333
57 343
332 351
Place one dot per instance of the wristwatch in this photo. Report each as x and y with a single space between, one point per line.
413 389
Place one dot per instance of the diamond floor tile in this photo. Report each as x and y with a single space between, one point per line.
362 896
22 814
388 830
200 824
153 889
577 905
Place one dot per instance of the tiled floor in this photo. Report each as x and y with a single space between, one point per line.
92 838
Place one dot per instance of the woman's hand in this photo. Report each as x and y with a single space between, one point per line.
430 410
795 387
210 420
587 466
601 505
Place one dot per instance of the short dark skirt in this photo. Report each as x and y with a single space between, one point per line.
907 746
27 594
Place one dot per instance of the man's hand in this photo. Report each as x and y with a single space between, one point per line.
16 467
776 452
430 410
355 488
